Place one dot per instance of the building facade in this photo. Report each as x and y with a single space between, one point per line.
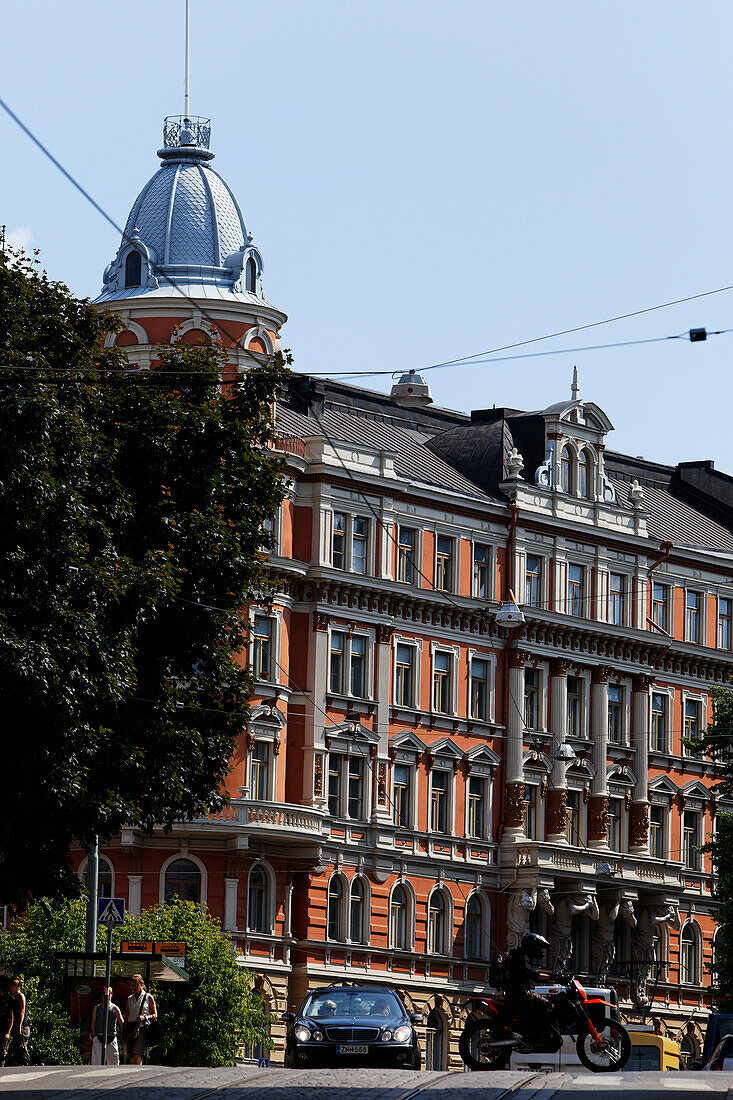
428 771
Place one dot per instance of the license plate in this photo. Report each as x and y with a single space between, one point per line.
352 1048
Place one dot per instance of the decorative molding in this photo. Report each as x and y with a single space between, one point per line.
384 633
639 825
321 621
514 805
556 814
597 817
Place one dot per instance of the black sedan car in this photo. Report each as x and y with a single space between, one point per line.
352 1025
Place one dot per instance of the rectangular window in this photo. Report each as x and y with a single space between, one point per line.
616 598
439 802
441 682
691 724
262 648
481 573
261 771
575 590
572 820
406 546
479 689
402 795
476 806
690 840
356 788
615 714
659 606
357 659
658 741
532 582
725 618
614 824
531 698
334 785
575 706
338 541
693 603
656 831
404 675
336 680
360 543
530 812
444 564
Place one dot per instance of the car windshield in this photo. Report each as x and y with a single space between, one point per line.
353 1002
643 1058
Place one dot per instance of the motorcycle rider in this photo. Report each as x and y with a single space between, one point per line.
535 1013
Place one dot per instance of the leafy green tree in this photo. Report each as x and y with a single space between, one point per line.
204 1021
132 506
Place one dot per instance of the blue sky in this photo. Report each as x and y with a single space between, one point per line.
424 180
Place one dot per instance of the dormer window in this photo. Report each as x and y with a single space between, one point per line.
566 472
133 269
251 276
585 475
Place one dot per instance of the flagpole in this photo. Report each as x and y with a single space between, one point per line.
185 82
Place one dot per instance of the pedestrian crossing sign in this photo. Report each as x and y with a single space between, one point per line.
110 911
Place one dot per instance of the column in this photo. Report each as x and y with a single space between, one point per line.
640 719
380 755
231 886
134 894
556 812
514 765
314 780
598 805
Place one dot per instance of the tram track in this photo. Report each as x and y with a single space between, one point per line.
423 1090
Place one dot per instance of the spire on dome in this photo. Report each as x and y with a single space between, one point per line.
575 388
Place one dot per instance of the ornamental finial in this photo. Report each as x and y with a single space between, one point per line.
575 388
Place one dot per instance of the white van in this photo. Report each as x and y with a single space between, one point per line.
567 1055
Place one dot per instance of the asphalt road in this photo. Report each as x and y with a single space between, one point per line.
251 1083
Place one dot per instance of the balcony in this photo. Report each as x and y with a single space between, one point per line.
245 819
565 862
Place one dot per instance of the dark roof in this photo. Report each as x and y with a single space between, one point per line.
480 449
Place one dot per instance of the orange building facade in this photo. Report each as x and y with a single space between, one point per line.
428 771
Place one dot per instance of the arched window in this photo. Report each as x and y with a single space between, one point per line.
473 929
335 908
585 476
133 269
436 923
398 913
434 1041
257 907
688 1051
251 276
182 880
104 878
356 913
566 471
688 956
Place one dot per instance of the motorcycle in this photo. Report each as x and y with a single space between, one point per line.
603 1044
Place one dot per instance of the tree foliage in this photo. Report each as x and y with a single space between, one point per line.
132 507
204 1021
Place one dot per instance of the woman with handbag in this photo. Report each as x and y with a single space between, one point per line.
140 1013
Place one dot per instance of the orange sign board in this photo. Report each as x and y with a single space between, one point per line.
136 947
176 952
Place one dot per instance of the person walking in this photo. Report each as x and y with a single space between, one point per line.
114 1024
139 1010
18 1048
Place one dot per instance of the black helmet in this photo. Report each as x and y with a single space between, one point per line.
533 945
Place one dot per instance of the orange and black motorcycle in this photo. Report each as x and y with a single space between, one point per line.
602 1043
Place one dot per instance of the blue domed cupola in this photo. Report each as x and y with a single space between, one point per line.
186 230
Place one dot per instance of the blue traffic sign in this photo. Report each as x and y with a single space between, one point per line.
110 910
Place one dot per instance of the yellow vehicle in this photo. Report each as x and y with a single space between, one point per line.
652 1051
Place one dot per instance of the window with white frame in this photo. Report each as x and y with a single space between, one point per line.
529 811
660 604
692 725
440 792
402 795
691 839
533 581
576 580
615 713
357 912
258 900
442 681
617 599
532 698
658 739
657 831
615 824
572 817
262 638
481 571
475 935
406 554
480 670
348 664
444 564
725 622
477 799
567 480
405 678
693 615
437 923
400 937
688 956
575 706
350 543
585 475
335 771
335 908
260 771
355 790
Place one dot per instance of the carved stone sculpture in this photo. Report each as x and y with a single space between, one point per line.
597 817
514 805
556 812
603 943
561 934
650 920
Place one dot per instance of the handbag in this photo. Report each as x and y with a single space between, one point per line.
153 1032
